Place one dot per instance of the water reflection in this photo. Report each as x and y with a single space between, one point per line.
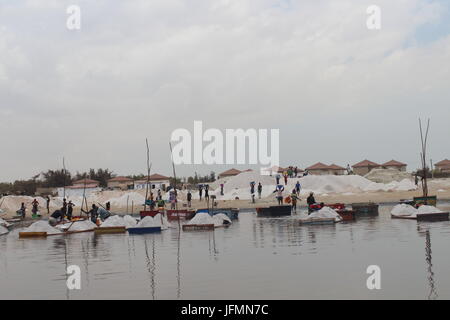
151 266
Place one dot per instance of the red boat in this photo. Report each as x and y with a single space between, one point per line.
174 215
346 215
148 213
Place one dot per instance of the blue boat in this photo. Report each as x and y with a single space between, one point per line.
232 213
144 230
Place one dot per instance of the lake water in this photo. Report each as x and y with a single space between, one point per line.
255 258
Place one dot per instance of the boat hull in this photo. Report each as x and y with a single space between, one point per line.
198 227
430 201
365 209
175 215
109 230
439 216
274 211
144 230
318 221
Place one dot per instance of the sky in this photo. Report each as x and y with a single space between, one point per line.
337 91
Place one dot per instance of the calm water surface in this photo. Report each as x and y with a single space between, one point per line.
256 258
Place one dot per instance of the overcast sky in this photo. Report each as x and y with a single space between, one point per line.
337 91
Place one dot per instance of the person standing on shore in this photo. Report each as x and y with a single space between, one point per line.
259 190
285 178
279 192
298 188
294 199
278 177
221 189
35 208
70 206
64 207
200 191
207 192
48 204
189 198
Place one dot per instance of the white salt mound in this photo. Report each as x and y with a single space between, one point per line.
387 175
149 222
326 212
114 221
129 221
42 226
78 226
3 230
428 209
220 218
404 210
202 218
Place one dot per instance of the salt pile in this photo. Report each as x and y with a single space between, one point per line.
114 221
82 225
202 218
220 219
42 226
149 222
129 221
404 210
3 230
387 175
239 186
427 210
131 197
326 213
156 221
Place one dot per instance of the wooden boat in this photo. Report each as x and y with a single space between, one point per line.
274 211
430 201
403 217
109 230
317 221
32 234
148 213
198 227
438 216
346 215
365 209
175 215
144 230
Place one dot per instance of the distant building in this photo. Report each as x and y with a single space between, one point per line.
443 166
393 164
229 173
337 170
80 187
122 183
157 181
319 169
364 167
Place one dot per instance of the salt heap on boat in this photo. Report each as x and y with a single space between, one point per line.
324 213
408 211
204 218
156 221
42 226
83 225
119 221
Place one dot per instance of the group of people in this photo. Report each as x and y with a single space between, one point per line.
205 188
